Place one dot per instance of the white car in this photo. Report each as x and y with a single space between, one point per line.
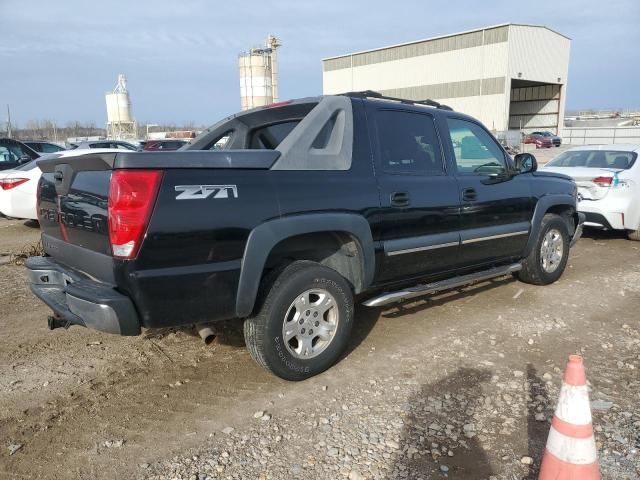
18 186
608 179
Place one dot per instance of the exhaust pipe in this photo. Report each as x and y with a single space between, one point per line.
206 332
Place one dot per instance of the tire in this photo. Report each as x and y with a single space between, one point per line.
293 295
540 269
634 235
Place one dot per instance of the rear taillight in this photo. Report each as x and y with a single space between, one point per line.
603 181
132 194
9 183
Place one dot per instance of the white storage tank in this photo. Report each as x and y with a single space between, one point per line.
118 103
118 107
258 75
255 79
120 121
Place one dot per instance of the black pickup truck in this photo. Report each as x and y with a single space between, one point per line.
281 215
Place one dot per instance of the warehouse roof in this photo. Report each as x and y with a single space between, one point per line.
445 36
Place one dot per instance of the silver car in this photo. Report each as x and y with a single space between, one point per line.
110 144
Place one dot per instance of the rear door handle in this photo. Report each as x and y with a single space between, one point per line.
469 195
399 199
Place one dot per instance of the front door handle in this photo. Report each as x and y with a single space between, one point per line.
469 195
399 199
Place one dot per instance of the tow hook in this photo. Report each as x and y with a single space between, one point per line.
57 322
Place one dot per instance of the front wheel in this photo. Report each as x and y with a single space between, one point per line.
549 256
303 321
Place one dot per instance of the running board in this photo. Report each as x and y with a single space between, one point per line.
420 290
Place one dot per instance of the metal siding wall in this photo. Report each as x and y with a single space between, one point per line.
532 122
468 88
525 47
418 49
489 109
474 63
534 108
538 54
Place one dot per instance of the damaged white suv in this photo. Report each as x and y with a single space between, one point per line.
608 179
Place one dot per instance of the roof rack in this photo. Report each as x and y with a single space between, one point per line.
378 95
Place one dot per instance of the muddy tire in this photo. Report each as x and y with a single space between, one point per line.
303 321
634 235
550 253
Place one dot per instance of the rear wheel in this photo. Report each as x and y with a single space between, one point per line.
549 256
634 235
303 321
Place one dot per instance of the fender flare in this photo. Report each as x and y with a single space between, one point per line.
542 207
264 237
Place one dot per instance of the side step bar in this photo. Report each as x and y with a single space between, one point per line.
420 290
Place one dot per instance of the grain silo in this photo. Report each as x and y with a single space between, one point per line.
259 75
120 122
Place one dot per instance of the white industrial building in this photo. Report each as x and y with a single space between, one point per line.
508 76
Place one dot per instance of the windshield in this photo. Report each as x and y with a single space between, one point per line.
595 159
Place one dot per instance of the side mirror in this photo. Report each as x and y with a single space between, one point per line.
24 158
525 163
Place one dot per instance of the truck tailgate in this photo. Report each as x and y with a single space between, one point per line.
73 198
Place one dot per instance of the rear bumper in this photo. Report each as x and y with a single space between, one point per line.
603 214
81 301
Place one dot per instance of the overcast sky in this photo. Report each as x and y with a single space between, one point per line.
57 58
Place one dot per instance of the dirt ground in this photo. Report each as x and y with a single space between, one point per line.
81 404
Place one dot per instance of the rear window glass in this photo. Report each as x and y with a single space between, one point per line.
595 159
270 136
27 166
408 143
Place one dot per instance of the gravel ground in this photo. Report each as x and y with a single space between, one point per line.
461 385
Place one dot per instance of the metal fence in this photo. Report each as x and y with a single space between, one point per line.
600 135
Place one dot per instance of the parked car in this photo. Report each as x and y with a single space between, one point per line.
104 144
308 204
42 146
608 179
18 186
555 139
540 141
163 145
14 153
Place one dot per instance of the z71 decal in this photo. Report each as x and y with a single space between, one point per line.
200 192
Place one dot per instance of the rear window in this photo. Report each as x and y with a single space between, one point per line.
25 167
595 159
408 143
270 136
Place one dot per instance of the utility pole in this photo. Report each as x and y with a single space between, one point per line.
8 121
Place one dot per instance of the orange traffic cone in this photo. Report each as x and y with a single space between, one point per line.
571 447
